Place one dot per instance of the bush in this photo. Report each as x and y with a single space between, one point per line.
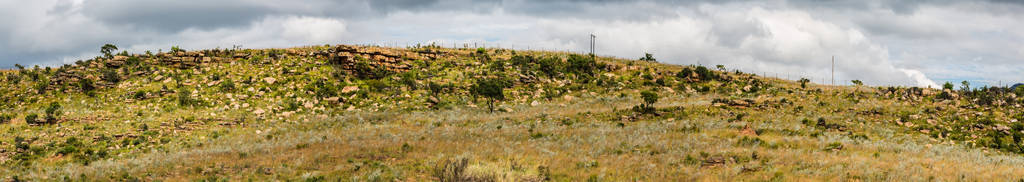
227 85
32 118
185 98
581 65
408 79
947 86
110 75
551 66
52 112
364 70
14 78
41 86
6 118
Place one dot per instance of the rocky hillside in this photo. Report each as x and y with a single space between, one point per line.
362 113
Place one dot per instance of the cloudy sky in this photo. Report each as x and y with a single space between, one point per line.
911 43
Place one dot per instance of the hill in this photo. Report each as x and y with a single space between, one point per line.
363 113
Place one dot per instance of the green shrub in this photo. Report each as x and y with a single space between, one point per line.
6 118
581 65
227 85
52 112
110 75
13 78
41 86
185 98
364 70
551 66
947 86
32 118
408 79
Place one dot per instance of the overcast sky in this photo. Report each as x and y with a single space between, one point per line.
911 43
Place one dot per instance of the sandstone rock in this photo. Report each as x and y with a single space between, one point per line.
348 89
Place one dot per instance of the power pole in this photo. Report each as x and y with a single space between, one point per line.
833 70
592 56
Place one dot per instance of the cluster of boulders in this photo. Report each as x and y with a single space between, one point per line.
347 57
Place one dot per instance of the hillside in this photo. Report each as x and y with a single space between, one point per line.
342 112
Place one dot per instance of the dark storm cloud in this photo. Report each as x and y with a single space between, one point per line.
173 15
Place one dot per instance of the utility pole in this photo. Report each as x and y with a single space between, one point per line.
592 56
833 70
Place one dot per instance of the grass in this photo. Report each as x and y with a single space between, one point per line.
385 130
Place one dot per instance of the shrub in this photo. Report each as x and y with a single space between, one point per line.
32 118
110 75
947 86
453 170
803 82
185 98
492 88
87 86
581 65
6 118
14 78
52 112
408 79
551 66
364 70
227 85
41 86
704 73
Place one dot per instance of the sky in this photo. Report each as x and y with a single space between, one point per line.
883 43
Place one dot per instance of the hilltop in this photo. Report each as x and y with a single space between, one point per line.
362 113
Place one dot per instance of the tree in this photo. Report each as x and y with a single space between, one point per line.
492 88
649 98
648 57
947 86
720 67
108 50
965 86
803 82
858 83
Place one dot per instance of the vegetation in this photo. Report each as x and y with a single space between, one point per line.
316 113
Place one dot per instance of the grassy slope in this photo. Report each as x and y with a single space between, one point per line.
589 132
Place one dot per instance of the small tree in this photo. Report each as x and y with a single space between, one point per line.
492 88
648 57
108 50
720 67
803 82
965 86
947 86
649 98
857 83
